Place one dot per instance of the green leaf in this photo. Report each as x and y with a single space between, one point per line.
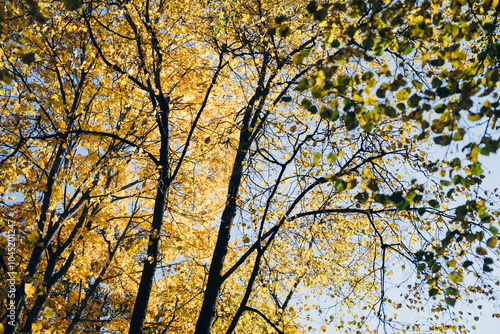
302 85
284 30
372 185
5 76
450 301
325 113
351 183
380 93
408 50
443 92
436 83
493 230
297 58
459 135
467 264
372 116
216 31
48 313
443 140
481 251
368 43
72 4
311 7
417 84
435 268
492 242
476 168
351 121
332 158
306 103
313 109
305 52
434 203
335 115
452 291
320 15
271 31
316 158
280 19
340 185
382 199
437 62
470 237
433 292
414 100
318 92
403 94
455 277
362 197
440 108
474 151
397 197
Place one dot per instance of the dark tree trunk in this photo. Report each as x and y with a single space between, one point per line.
151 259
207 313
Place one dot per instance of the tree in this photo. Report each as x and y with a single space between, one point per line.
58 161
64 101
193 188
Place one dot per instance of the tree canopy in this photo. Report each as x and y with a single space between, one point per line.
236 166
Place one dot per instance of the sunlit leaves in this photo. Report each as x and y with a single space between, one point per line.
455 277
349 114
434 66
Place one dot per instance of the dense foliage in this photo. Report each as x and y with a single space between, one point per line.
237 166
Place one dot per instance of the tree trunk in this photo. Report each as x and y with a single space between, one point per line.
151 259
207 313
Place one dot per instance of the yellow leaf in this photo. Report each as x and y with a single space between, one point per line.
29 289
154 235
36 327
455 277
451 263
371 100
48 313
73 297
323 328
297 58
492 242
366 173
356 97
33 237
61 124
